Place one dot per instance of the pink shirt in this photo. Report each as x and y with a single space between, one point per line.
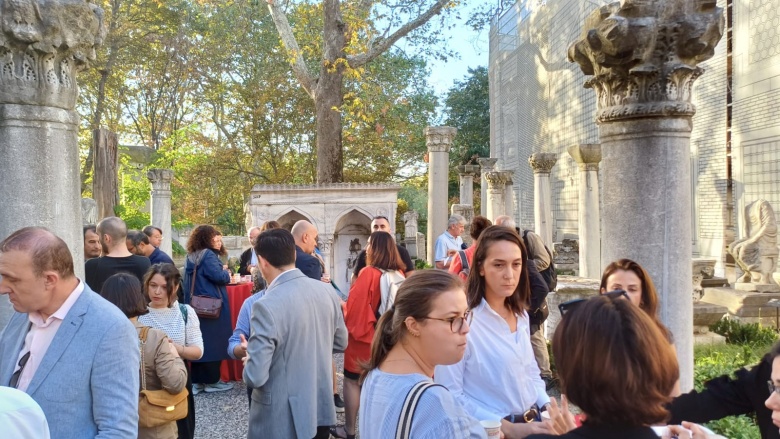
41 334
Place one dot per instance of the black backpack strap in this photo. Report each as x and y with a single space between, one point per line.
404 429
464 261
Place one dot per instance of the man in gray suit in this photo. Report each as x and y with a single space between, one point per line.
295 328
72 351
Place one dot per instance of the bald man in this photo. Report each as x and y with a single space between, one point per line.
305 235
116 258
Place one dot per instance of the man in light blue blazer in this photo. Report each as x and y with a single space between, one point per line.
68 348
295 329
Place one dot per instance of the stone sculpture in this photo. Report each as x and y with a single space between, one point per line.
756 253
89 211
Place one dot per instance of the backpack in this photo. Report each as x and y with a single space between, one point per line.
388 284
549 274
464 263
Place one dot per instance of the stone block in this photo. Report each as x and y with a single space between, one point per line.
706 314
748 306
759 288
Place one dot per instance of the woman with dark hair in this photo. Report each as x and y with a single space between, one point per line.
478 225
205 275
361 315
498 377
161 285
162 367
606 333
426 327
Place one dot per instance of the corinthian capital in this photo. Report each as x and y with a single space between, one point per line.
542 162
643 55
439 139
43 43
160 178
497 180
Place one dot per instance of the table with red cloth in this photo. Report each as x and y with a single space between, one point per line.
233 370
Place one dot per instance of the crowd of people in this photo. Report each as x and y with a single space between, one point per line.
458 351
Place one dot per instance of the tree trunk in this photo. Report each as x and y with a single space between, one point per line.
329 96
104 178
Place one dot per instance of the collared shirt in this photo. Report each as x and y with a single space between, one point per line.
21 416
254 258
444 243
498 374
41 334
276 279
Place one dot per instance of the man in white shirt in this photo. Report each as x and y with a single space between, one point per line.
449 243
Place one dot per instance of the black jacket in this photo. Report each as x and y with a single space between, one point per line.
603 432
725 396
244 261
308 264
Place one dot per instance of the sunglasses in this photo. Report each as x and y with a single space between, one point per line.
572 304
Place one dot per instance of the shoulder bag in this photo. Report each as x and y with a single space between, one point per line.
205 307
404 429
158 407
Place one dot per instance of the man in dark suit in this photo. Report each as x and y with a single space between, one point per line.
249 257
305 235
382 224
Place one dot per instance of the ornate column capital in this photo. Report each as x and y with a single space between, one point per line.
587 155
497 180
464 170
43 44
643 55
542 162
439 139
487 164
326 244
160 178
411 215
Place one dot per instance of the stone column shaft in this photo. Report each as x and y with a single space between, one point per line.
588 157
496 193
466 174
541 164
161 205
485 165
439 141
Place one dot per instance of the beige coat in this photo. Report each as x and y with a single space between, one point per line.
162 370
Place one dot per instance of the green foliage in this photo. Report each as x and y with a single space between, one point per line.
178 250
422 264
468 109
744 333
134 219
735 427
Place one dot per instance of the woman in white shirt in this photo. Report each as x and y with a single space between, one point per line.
498 378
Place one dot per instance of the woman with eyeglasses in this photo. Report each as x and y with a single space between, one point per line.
426 327
361 315
498 378
607 333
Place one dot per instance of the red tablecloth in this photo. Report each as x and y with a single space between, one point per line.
233 370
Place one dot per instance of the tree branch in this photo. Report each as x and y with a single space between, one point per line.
380 45
299 67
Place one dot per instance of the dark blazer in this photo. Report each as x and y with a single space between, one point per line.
159 257
361 261
210 280
725 396
308 264
244 261
603 432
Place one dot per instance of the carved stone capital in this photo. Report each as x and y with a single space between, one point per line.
471 170
587 155
160 178
439 139
487 164
643 55
497 180
411 216
43 44
542 162
326 244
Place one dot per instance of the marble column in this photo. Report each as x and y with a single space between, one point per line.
439 142
485 165
410 233
541 164
642 58
509 195
496 193
466 174
42 48
161 205
588 157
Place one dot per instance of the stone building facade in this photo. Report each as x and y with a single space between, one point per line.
538 104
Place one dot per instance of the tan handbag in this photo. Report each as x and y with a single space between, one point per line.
158 407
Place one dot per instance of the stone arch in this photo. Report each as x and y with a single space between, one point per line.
352 215
292 215
352 229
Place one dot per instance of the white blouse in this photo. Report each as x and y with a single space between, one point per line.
171 321
498 374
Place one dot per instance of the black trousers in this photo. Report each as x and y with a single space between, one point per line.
205 372
322 433
186 426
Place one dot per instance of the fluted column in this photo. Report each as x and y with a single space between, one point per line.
496 193
643 58
439 142
541 164
42 47
161 205
485 165
588 157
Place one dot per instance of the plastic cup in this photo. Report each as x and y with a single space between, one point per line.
492 428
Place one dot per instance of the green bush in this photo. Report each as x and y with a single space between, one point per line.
421 264
735 427
744 333
178 250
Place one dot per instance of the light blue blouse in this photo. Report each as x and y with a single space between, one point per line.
437 415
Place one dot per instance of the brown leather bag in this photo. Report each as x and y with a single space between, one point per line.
205 307
158 407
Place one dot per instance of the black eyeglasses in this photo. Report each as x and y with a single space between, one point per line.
773 388
456 323
571 304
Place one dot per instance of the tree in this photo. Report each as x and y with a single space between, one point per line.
468 109
349 42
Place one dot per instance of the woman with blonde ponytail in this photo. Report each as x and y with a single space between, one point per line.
426 327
